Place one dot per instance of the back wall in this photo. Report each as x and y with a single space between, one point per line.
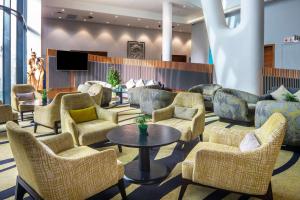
71 35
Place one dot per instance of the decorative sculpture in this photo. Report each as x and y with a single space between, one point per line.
35 72
238 52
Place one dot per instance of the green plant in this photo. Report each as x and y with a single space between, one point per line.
142 120
290 97
113 77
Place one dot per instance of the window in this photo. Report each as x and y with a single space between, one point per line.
1 51
13 44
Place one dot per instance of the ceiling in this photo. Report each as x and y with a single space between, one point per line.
134 13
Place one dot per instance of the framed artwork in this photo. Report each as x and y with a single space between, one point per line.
136 50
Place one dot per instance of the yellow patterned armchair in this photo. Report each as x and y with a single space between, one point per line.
55 169
49 116
96 92
190 128
21 93
219 163
88 132
7 114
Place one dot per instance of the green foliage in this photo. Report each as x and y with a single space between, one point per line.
142 120
290 97
113 77
44 95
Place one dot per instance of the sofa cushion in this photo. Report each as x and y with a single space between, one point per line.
84 115
94 131
184 113
280 93
140 83
184 126
249 143
25 96
151 82
130 84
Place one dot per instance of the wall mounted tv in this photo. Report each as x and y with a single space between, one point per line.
72 61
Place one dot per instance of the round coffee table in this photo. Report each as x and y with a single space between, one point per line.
144 170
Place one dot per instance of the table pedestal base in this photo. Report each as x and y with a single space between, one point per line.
156 173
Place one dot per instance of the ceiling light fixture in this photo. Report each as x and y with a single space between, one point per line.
62 10
84 20
108 22
139 19
178 24
91 13
147 26
59 17
128 24
116 16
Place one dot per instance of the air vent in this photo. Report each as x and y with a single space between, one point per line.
71 17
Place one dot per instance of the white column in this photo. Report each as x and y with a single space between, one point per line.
237 53
167 31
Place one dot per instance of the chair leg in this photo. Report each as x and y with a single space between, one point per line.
269 194
35 127
22 116
56 127
121 187
120 148
19 191
184 184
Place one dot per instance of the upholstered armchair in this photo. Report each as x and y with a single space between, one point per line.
7 114
208 91
191 127
56 169
220 164
88 132
134 94
235 106
21 93
49 116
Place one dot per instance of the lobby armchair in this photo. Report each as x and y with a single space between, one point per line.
49 116
220 164
56 169
21 93
190 127
88 132
7 114
96 92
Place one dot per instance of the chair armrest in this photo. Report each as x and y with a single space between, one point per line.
59 143
216 163
6 113
69 125
107 115
230 137
163 114
198 122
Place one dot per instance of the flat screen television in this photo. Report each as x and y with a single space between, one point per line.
72 61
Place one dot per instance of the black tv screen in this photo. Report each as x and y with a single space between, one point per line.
69 60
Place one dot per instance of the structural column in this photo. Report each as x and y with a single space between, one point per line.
167 31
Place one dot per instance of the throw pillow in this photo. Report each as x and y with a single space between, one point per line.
151 82
297 95
249 143
280 93
25 96
140 83
184 113
130 84
84 115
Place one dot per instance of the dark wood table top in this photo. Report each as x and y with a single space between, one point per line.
158 135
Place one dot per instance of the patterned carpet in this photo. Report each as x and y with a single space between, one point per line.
285 180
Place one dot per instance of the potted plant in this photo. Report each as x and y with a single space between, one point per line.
113 77
44 97
141 122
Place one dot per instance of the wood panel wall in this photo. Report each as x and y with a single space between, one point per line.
269 55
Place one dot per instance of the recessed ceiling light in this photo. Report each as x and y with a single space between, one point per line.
128 24
184 6
59 17
84 20
159 22
147 26
108 22
139 19
62 10
116 16
178 24
91 13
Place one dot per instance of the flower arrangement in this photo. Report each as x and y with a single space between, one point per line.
141 122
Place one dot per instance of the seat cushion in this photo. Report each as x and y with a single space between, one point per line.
189 162
94 131
184 126
86 151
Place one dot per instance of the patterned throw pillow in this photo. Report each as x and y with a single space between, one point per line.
184 113
249 143
25 96
297 95
280 93
130 84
